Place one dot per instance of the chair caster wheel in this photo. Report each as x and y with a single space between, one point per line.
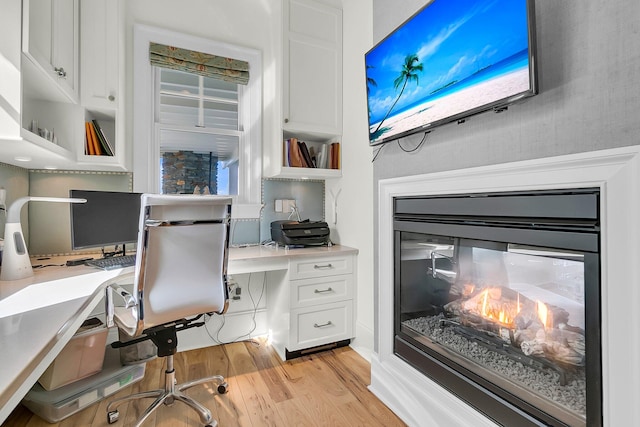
113 416
222 388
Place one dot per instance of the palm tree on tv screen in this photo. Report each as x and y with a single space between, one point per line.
409 72
370 82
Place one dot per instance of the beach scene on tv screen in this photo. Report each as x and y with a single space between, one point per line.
450 58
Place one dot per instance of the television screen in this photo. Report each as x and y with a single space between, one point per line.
107 218
450 60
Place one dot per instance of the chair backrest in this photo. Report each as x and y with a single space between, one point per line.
182 255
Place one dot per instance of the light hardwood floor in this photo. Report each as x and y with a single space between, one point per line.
322 389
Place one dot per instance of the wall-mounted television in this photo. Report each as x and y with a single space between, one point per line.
449 61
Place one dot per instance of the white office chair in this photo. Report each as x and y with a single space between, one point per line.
180 276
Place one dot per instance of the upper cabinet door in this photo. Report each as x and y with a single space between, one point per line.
100 53
312 71
51 40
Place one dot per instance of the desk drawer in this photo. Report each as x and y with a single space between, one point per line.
320 267
321 290
321 324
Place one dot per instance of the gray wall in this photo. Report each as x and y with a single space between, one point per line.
50 223
589 92
589 95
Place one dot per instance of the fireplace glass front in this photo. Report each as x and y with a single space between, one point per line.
497 299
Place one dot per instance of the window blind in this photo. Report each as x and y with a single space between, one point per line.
204 64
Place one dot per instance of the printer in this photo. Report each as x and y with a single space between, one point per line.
300 233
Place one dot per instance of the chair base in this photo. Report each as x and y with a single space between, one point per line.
170 394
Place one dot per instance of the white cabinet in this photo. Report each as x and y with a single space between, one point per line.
10 73
100 54
102 70
36 97
42 124
50 41
312 71
312 83
315 305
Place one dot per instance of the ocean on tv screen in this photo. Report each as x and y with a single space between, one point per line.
445 61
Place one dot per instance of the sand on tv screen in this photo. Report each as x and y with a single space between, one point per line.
450 60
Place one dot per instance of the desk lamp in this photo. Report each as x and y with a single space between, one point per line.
15 258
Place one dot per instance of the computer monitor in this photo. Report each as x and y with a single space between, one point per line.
108 218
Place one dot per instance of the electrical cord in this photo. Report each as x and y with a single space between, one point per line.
255 304
46 265
375 156
424 138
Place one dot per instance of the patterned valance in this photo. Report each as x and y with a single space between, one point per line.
204 64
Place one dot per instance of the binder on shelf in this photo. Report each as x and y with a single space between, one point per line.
285 153
104 141
321 160
97 143
90 148
97 148
314 157
334 156
295 155
299 154
306 156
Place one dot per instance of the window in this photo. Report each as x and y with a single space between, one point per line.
215 122
197 124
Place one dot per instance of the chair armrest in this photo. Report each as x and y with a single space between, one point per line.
112 286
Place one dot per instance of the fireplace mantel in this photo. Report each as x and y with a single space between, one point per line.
420 401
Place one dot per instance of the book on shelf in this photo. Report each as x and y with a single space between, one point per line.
334 156
306 155
322 157
92 147
314 157
97 143
102 137
295 155
299 154
285 153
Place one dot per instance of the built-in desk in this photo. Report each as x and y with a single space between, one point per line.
40 314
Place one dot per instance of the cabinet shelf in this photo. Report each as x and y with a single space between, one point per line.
45 144
309 173
40 152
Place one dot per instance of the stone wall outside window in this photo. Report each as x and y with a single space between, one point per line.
182 171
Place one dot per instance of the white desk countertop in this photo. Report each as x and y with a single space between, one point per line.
40 314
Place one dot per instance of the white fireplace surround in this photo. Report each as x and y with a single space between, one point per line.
418 400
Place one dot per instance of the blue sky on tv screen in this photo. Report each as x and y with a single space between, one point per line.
453 40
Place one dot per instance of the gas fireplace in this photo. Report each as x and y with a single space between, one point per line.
496 298
507 295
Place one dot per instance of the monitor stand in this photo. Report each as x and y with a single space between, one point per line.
116 252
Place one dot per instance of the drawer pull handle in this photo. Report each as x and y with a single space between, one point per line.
315 325
320 267
319 291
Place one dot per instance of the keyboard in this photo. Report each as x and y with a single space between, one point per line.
113 262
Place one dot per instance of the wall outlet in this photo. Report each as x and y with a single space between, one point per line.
284 205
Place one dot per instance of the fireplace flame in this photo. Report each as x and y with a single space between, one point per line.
468 289
504 312
485 296
544 315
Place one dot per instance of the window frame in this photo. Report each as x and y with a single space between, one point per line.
146 151
199 127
